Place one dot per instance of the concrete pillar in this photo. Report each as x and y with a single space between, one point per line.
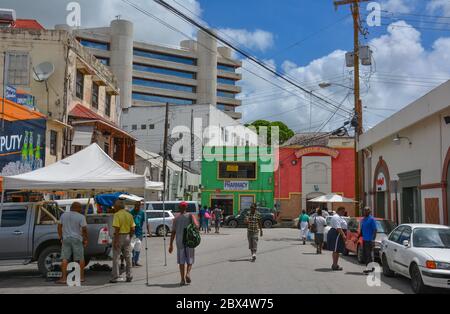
122 59
207 69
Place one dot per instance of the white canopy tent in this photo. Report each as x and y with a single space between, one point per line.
89 169
331 198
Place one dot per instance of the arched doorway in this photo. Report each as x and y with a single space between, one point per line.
381 191
446 188
310 206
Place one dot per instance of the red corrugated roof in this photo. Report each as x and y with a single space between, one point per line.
82 112
28 24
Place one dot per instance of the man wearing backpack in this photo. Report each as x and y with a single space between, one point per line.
185 254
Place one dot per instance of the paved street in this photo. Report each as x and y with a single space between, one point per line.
283 266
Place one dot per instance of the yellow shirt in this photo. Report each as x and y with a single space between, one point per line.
124 221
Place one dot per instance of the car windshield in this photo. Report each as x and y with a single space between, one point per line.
432 238
385 226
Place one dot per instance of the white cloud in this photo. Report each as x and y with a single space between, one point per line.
398 6
403 71
439 5
258 40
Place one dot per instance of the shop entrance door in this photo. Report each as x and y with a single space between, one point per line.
226 203
410 205
380 211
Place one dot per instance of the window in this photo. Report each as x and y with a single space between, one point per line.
53 142
226 68
395 235
134 127
164 57
237 170
95 92
94 44
164 85
14 218
103 60
226 94
106 148
431 238
18 68
108 104
162 99
405 236
164 71
80 85
226 81
151 126
144 127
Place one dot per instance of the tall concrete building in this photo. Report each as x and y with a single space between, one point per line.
198 72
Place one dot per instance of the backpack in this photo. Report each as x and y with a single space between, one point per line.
191 235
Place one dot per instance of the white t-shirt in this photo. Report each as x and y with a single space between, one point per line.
337 222
320 223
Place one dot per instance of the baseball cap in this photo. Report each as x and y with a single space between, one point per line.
184 204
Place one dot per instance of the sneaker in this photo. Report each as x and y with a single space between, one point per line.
130 279
336 268
188 280
182 283
113 281
253 257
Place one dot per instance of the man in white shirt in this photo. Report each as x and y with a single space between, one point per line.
318 223
337 236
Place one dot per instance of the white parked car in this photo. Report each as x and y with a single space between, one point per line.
420 252
157 224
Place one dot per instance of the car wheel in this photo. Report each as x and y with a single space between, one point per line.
233 223
386 269
417 284
267 224
162 231
359 254
49 260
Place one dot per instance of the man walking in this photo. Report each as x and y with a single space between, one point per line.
72 231
124 229
368 232
139 219
318 223
254 225
185 255
217 213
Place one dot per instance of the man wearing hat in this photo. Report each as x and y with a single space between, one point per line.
185 255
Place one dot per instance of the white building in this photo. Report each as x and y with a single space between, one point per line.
182 183
210 126
409 153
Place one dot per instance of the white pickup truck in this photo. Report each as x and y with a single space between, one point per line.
28 233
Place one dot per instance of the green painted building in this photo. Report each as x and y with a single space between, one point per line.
236 177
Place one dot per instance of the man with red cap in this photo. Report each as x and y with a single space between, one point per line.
185 255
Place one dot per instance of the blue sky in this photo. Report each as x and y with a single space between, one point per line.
410 57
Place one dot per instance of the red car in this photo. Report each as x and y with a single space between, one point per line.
353 245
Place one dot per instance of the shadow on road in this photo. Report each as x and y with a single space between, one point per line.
166 285
240 260
324 270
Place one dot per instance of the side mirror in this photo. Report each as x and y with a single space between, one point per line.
406 243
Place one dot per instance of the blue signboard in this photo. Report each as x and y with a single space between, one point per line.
22 146
11 93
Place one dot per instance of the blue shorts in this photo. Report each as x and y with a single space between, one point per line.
335 242
185 256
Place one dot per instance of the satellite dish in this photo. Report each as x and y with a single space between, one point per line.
43 71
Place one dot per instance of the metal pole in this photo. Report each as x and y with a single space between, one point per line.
146 236
4 90
166 135
2 200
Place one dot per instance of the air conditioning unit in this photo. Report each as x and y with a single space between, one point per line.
7 17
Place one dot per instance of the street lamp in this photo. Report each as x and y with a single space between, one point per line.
324 85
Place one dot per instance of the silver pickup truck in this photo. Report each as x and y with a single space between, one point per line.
28 233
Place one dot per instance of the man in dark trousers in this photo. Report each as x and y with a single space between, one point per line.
254 226
368 232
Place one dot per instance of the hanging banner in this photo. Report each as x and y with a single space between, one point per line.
381 183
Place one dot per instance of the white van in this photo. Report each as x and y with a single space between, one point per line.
173 206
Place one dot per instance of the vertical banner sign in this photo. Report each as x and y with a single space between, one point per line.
22 146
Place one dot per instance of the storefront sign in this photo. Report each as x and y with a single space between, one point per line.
381 183
317 150
22 146
236 185
233 168
11 93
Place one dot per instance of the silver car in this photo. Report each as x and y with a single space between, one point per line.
158 224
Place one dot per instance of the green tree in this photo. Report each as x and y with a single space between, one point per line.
285 132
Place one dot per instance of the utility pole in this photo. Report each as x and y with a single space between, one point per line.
166 136
354 6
